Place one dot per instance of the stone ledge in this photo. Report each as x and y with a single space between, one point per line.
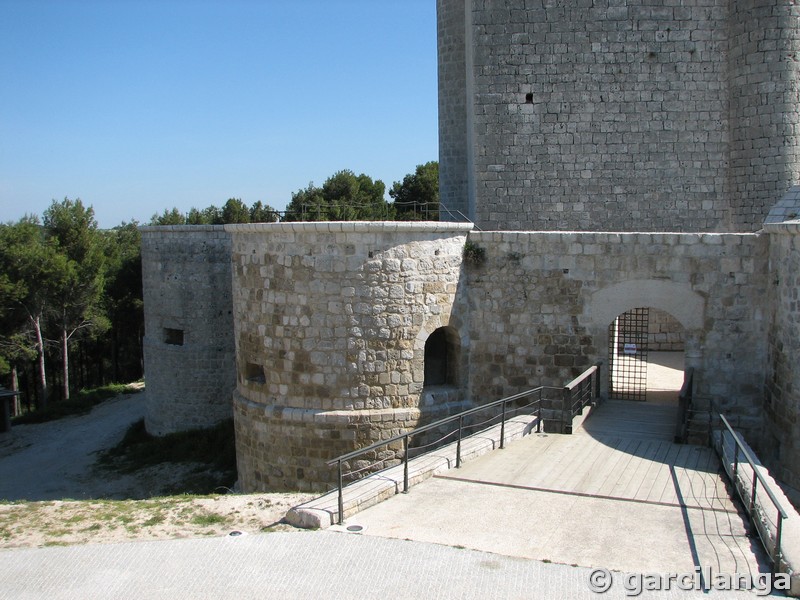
323 512
790 533
180 228
337 417
350 227
787 227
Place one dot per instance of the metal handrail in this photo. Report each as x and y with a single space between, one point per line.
404 437
750 503
578 393
441 422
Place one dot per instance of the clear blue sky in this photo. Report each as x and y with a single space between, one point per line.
135 106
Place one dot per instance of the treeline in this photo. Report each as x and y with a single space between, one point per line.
71 311
70 303
344 196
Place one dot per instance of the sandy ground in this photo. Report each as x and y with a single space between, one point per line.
51 493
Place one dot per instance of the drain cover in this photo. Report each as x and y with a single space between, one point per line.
355 528
235 533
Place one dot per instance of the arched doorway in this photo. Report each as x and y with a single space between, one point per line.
442 355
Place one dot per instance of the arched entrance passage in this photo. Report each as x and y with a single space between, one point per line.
636 303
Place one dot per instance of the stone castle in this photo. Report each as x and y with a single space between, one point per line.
610 155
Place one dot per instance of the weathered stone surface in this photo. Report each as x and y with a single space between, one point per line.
618 116
188 344
331 321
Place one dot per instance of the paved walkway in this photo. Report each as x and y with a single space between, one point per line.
475 532
302 565
617 494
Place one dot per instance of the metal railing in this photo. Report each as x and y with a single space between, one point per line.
685 408
578 393
750 502
574 397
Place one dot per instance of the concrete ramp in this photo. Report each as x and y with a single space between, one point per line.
616 494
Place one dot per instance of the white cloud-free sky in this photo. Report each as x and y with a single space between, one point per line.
136 106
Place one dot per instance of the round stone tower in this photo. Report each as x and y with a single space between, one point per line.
332 321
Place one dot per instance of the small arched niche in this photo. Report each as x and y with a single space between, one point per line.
442 355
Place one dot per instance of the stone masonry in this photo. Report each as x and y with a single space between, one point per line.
612 115
331 321
188 344
781 438
619 153
539 308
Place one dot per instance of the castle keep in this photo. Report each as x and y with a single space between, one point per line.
618 115
612 155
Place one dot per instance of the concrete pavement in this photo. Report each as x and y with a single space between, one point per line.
616 494
301 565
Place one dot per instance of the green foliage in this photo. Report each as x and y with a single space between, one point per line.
474 254
416 198
263 213
168 217
76 304
344 196
235 211
122 300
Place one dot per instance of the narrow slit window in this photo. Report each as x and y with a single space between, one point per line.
173 337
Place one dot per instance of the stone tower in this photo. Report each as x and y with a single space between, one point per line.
618 115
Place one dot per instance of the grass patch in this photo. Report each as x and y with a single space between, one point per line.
80 404
208 519
212 449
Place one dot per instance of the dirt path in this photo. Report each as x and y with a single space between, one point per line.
53 460
49 462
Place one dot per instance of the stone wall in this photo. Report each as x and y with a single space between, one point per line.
764 75
189 357
664 332
331 321
782 403
540 305
595 115
452 109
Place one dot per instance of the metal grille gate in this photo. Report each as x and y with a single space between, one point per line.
627 355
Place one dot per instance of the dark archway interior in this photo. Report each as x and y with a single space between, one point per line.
441 357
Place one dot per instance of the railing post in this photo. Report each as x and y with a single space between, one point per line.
458 445
539 414
341 494
597 380
753 494
503 426
566 412
776 553
405 464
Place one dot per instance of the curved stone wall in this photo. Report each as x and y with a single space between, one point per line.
189 358
330 356
764 93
